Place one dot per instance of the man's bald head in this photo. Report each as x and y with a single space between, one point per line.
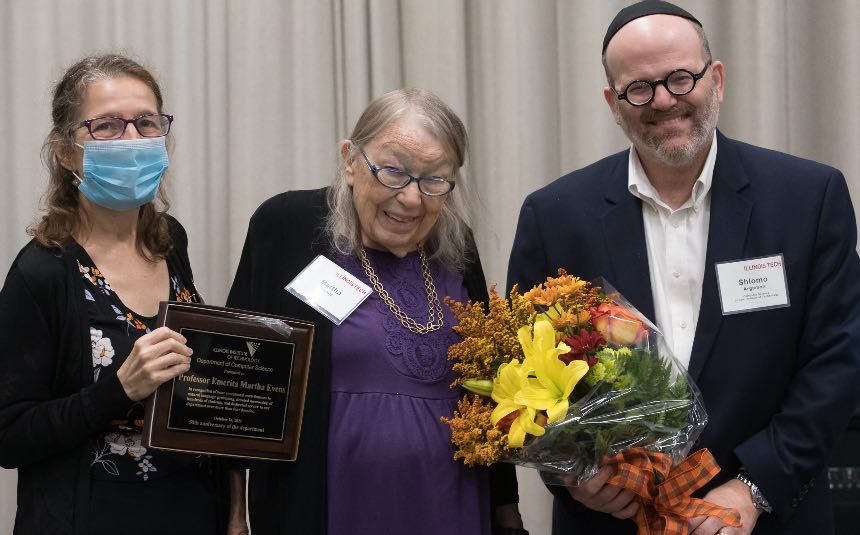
647 21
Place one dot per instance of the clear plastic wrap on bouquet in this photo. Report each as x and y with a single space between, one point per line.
635 395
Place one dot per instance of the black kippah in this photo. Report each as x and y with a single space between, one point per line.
643 9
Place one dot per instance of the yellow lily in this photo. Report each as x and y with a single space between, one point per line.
509 379
553 379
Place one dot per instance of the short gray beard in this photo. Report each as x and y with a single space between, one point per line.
701 134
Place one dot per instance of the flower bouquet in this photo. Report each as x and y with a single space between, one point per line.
568 377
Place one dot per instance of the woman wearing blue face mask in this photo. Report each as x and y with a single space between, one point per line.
77 318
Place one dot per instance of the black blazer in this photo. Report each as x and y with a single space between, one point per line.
778 385
284 235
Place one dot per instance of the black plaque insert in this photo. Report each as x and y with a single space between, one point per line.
235 388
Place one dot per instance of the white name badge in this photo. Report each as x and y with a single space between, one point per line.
752 284
329 289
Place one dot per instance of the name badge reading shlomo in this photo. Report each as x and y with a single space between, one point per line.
329 289
752 284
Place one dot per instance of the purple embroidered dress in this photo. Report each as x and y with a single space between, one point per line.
390 459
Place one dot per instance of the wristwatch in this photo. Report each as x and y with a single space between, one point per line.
757 497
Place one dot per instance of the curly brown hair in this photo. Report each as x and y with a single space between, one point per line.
61 206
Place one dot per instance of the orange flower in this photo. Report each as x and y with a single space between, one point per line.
565 284
566 320
618 325
136 323
542 296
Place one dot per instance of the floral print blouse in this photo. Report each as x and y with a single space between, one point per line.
118 454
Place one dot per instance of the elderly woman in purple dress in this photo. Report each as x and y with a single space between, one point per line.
374 456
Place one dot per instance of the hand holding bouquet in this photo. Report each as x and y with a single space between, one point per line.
567 377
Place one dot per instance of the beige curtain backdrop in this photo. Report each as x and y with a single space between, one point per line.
263 90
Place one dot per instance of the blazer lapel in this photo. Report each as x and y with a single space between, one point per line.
624 233
727 232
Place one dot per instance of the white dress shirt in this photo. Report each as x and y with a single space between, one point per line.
677 241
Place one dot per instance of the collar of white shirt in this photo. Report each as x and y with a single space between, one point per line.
676 241
639 185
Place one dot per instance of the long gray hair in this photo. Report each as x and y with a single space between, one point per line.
450 239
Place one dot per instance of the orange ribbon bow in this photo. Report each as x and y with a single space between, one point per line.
664 490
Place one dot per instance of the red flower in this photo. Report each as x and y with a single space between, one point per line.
581 345
505 423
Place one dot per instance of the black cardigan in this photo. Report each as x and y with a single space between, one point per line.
49 406
284 235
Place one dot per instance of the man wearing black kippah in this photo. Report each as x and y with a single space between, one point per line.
746 260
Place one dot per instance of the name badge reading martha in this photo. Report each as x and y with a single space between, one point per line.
329 289
752 284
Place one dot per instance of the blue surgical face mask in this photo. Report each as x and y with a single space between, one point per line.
122 174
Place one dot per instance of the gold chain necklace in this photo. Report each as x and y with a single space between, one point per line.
435 319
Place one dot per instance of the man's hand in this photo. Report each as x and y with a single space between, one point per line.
597 495
732 494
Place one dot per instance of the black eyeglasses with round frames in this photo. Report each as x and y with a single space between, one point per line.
149 125
678 82
394 178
